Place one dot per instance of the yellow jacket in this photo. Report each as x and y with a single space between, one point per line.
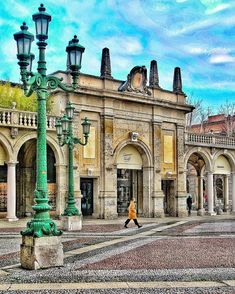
132 210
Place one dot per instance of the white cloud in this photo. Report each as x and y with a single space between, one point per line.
188 28
123 45
91 63
9 50
221 58
121 63
221 55
197 50
220 50
15 8
218 8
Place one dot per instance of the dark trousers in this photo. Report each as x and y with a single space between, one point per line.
189 210
135 221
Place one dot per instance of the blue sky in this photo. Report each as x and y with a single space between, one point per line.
196 35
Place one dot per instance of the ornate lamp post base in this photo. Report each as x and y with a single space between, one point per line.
44 252
211 213
72 223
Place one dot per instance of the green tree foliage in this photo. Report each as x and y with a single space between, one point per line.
9 94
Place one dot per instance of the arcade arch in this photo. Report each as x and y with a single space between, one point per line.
22 175
209 180
133 170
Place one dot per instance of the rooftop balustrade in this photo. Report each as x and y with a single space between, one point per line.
209 140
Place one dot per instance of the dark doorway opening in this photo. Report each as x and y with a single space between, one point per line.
169 191
86 187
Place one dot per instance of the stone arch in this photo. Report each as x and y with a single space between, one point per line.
144 176
7 146
203 152
140 146
59 155
228 155
195 156
228 181
54 188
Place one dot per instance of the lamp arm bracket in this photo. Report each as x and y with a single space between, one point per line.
32 84
54 82
61 144
78 141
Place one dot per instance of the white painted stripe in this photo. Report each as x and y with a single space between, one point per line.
123 239
230 283
115 285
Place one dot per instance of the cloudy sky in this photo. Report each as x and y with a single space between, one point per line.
196 35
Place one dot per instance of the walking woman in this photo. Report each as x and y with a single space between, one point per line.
132 214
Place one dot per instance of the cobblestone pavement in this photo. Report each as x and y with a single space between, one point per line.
170 255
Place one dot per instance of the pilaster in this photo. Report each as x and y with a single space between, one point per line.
181 208
157 195
108 195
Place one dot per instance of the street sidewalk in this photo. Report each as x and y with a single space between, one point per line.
21 223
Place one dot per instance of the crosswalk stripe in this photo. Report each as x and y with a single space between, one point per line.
115 285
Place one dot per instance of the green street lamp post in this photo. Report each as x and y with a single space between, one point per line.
42 225
64 130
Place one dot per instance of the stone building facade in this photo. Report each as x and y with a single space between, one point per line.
136 148
210 160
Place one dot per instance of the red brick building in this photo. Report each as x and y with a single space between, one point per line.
216 124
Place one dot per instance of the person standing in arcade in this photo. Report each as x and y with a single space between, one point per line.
189 204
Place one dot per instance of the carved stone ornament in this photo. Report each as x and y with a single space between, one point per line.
14 132
136 81
134 136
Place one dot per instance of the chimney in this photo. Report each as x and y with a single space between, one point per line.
105 70
153 76
177 82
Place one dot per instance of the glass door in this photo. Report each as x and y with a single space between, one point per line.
86 187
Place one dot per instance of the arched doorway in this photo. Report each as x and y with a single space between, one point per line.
196 164
129 179
222 172
26 178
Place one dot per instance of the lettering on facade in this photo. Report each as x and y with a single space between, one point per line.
127 157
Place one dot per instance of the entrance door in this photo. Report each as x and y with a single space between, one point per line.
168 190
86 187
129 185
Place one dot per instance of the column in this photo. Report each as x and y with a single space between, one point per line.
210 191
233 192
226 193
11 191
200 196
